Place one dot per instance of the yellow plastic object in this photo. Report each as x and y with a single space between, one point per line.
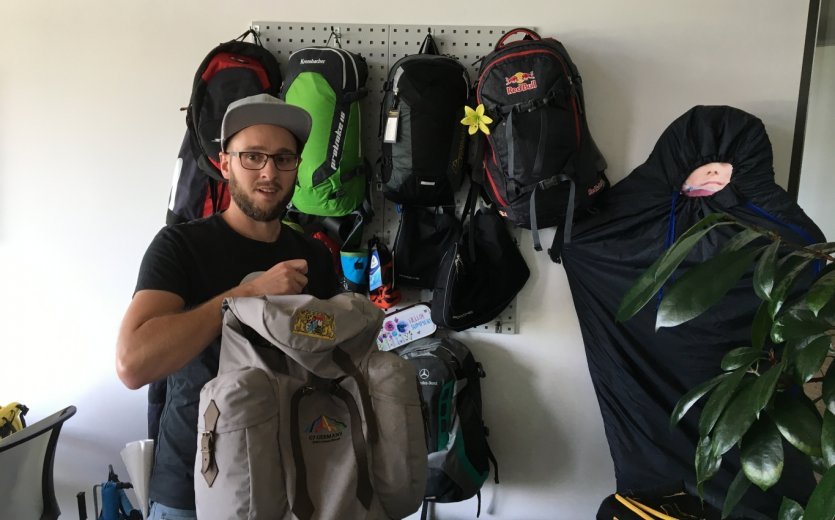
11 418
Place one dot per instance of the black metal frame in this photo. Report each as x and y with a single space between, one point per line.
803 98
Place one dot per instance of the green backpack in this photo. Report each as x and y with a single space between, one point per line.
328 82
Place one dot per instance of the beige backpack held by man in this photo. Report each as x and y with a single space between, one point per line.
306 418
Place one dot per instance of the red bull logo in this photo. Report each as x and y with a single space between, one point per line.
520 82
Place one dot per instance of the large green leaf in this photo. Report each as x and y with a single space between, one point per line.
786 276
761 327
649 283
736 491
741 357
764 272
743 409
828 439
823 247
703 286
821 292
707 463
798 423
828 311
718 400
761 453
829 389
790 510
821 504
741 239
690 398
797 324
808 360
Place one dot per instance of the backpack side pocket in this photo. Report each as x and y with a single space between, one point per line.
238 471
398 459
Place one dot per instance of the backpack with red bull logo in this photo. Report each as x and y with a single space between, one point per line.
541 165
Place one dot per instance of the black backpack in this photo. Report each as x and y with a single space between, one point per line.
450 388
423 143
480 273
231 71
540 161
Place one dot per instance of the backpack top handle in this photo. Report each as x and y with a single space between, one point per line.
529 35
429 46
335 37
255 38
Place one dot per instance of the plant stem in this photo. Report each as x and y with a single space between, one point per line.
774 236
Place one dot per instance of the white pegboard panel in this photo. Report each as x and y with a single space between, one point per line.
382 45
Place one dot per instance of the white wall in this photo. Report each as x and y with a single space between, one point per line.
816 187
90 125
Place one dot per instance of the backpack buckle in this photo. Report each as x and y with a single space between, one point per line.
208 468
206 442
550 182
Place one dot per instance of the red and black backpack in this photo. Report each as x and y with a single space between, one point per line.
540 162
231 71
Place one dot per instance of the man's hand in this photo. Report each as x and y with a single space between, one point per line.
288 277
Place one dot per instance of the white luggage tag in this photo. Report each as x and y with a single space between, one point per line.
390 134
406 325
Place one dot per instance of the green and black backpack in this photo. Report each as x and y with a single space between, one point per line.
450 389
329 82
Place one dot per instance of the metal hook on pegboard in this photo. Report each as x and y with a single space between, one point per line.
336 35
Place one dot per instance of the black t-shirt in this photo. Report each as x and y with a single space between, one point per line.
198 260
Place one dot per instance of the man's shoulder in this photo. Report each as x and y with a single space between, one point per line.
210 226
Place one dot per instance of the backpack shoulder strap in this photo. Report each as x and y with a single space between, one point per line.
302 504
343 360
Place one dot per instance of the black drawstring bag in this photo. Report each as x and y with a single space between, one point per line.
422 238
480 273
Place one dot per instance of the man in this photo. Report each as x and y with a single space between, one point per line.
172 326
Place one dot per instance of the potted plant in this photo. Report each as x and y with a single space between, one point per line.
790 346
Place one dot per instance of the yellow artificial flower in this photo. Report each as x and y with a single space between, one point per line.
476 120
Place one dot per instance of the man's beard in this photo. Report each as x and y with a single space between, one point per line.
250 209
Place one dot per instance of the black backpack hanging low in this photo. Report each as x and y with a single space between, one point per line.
480 273
423 144
540 161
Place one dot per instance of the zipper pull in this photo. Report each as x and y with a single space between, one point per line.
572 85
458 264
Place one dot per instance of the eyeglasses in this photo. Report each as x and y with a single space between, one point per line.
257 160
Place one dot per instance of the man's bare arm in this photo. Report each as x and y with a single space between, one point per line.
157 337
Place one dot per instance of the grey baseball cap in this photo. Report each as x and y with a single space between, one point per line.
264 109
